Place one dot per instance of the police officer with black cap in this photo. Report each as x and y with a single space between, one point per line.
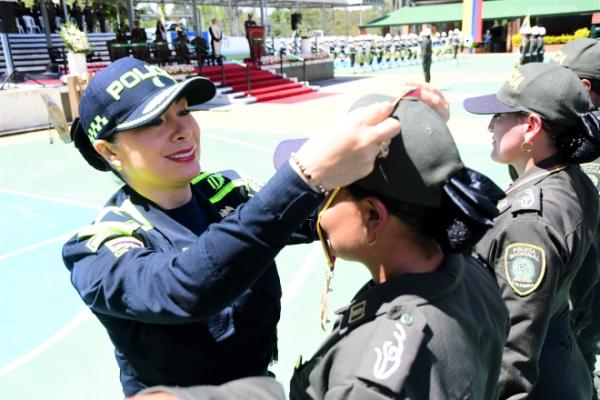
541 126
582 56
431 322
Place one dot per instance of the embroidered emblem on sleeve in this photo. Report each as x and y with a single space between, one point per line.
121 245
524 266
389 356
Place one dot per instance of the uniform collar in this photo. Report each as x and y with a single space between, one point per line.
538 172
376 299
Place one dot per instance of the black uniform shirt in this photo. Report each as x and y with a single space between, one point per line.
435 335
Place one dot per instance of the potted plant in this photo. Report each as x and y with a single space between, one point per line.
77 45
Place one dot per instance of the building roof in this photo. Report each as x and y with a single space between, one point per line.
492 9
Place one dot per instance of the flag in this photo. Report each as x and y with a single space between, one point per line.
526 21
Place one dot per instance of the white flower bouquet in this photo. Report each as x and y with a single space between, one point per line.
74 39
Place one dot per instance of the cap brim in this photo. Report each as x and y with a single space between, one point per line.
196 90
284 149
488 104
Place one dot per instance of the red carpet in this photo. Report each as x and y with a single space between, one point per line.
301 97
264 85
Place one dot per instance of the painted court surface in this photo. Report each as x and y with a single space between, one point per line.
53 348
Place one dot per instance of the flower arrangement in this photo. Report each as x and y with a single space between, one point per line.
304 31
74 39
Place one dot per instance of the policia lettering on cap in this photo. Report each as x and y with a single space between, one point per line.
542 127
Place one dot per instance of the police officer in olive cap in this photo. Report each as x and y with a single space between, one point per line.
541 126
431 322
582 56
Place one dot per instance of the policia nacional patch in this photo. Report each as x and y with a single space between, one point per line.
524 266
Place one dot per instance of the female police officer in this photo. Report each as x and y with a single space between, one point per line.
541 126
431 323
187 296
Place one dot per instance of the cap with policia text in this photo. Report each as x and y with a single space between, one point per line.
420 160
555 93
581 56
129 94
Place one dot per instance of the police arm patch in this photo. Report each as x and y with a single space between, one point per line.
121 245
524 267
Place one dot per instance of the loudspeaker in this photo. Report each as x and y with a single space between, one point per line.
296 19
7 17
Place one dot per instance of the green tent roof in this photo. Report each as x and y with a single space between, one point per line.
493 9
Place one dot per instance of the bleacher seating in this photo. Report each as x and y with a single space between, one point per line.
30 52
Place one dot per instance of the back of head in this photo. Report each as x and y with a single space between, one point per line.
423 180
423 176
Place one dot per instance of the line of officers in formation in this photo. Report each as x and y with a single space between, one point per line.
375 51
532 44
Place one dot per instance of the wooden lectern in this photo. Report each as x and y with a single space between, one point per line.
256 40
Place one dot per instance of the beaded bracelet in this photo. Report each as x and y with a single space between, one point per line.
316 186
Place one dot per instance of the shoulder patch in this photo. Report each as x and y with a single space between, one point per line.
592 170
121 245
524 267
527 200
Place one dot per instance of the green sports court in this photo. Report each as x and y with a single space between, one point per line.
54 348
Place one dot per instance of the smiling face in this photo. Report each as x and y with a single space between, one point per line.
161 158
508 132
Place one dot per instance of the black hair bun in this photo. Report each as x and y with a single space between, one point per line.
469 202
584 145
83 144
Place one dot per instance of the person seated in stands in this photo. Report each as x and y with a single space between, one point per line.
201 46
138 35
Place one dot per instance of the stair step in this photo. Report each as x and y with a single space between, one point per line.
258 85
283 93
274 88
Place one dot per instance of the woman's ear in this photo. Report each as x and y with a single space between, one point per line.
587 84
106 150
375 213
534 127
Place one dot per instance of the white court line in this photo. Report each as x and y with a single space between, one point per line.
22 250
305 269
49 198
52 340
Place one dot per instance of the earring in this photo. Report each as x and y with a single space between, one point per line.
526 147
117 165
370 244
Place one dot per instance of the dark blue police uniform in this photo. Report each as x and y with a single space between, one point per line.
186 309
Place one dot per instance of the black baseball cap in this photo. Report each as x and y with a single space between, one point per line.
131 93
581 56
420 161
555 93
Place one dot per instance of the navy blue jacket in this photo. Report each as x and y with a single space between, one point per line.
183 309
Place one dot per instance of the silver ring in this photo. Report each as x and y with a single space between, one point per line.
384 150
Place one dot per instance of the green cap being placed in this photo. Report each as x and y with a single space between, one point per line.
553 92
421 158
581 56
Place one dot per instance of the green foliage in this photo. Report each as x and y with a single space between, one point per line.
561 39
